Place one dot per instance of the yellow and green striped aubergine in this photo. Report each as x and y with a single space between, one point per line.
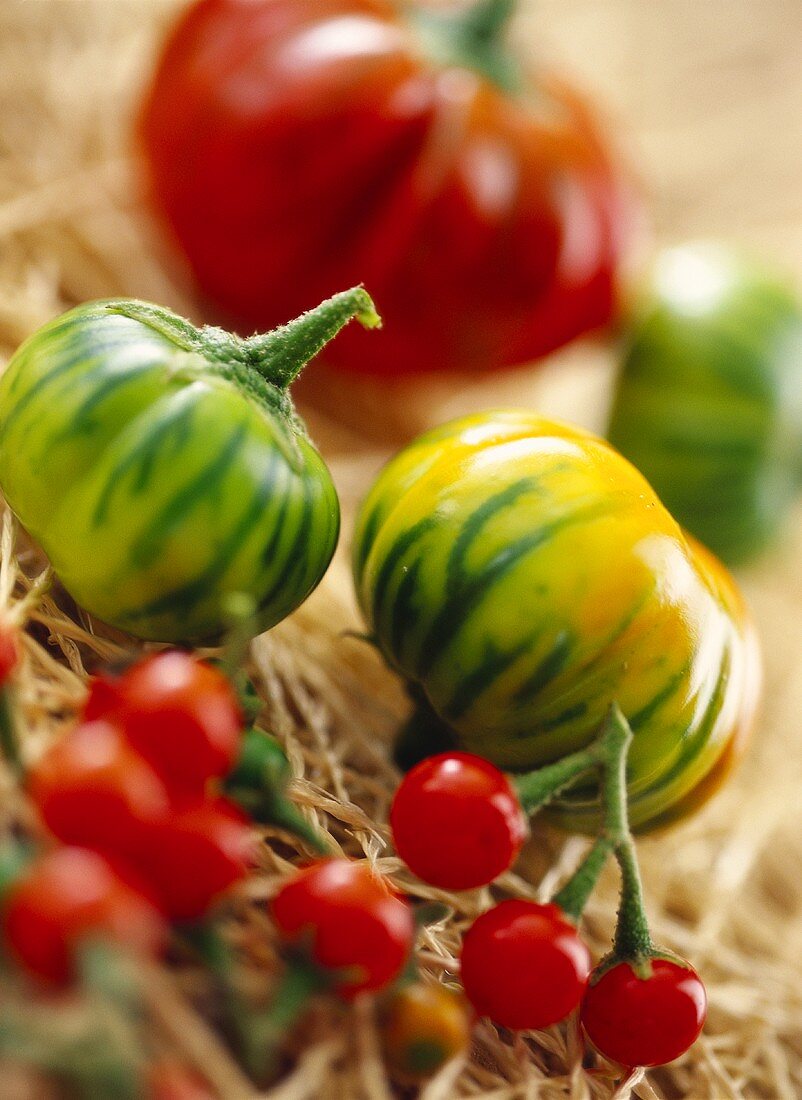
162 467
524 576
709 401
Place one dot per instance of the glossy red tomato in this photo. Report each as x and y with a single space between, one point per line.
168 1080
180 714
456 821
524 965
355 925
9 653
645 1021
92 789
299 146
195 855
67 896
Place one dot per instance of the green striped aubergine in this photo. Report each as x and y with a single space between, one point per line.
523 577
162 467
709 398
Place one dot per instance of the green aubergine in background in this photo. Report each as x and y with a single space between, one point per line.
709 401
162 467
523 576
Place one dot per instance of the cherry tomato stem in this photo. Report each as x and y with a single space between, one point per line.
258 783
536 788
264 1033
632 939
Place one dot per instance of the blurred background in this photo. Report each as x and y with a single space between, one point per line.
706 100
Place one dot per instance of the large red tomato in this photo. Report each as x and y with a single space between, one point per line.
299 146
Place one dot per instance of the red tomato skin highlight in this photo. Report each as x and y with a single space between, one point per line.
645 1021
181 715
298 146
67 895
353 921
456 821
93 790
524 965
9 653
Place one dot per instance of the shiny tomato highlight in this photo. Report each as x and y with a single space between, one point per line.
298 146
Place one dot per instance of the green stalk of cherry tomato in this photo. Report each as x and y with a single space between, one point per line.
524 964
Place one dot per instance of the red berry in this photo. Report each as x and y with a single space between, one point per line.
456 821
182 715
71 894
170 1080
195 855
353 920
524 965
9 653
645 1021
103 697
92 789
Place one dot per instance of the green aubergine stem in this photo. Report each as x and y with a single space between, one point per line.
264 365
472 38
608 753
280 356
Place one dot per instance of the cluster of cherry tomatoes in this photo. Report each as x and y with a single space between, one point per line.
524 964
129 794
133 795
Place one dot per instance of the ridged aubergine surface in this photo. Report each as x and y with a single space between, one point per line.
525 576
709 399
155 485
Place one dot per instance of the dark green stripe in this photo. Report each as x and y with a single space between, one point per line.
369 530
457 609
153 435
296 555
271 546
472 528
696 743
550 665
405 613
181 599
647 711
493 664
202 488
400 547
82 414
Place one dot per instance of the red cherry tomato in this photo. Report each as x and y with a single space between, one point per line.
9 653
182 715
69 895
299 146
524 965
645 1021
103 697
354 922
195 855
457 821
92 789
171 1081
